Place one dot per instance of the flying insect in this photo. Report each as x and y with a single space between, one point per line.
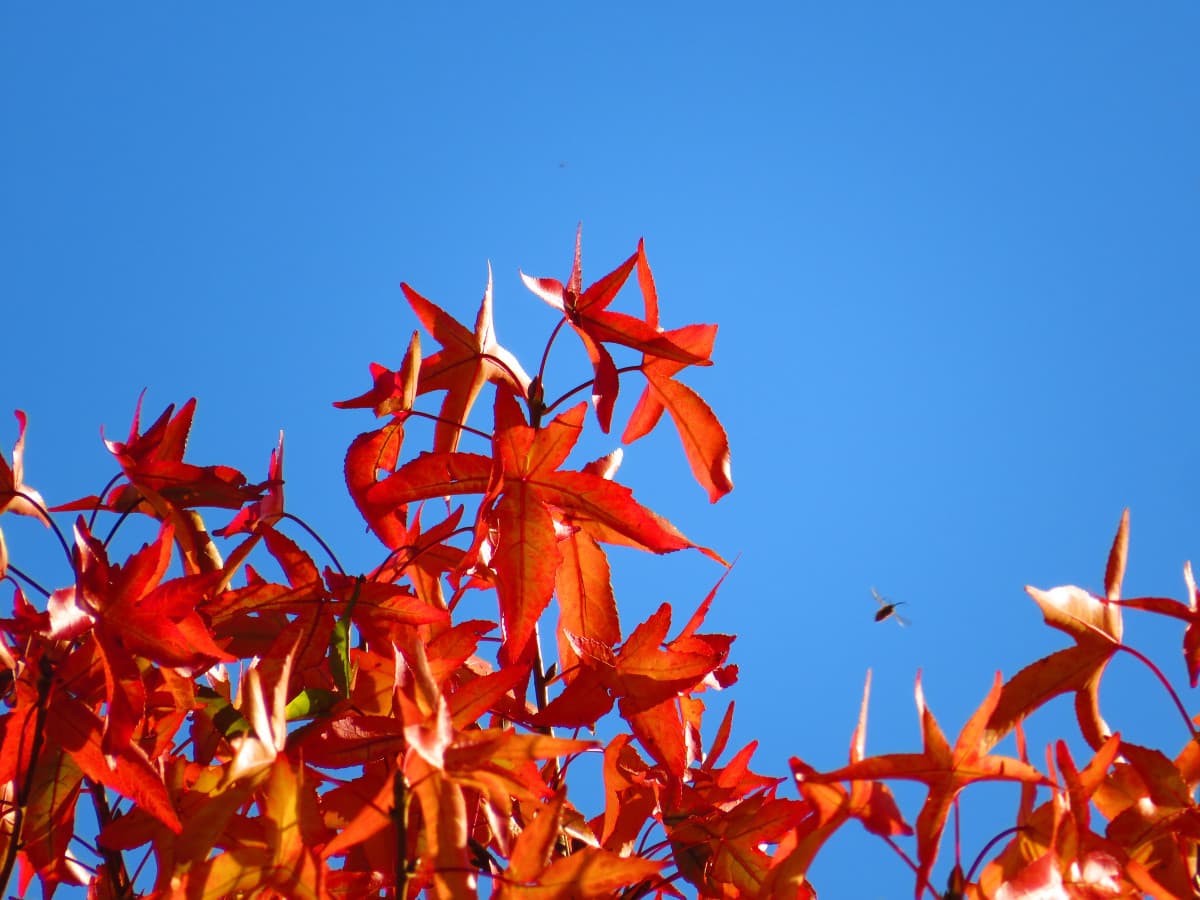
887 610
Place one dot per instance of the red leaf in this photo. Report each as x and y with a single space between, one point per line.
393 392
588 872
586 311
660 730
1114 572
77 729
1095 626
525 561
267 510
153 463
367 455
430 475
587 607
465 363
704 440
15 495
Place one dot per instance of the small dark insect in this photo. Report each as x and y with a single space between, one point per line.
887 610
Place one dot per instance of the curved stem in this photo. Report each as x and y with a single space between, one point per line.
49 521
33 584
112 532
419 549
887 839
541 375
461 426
145 859
100 499
1166 684
316 537
579 387
502 364
644 888
1016 829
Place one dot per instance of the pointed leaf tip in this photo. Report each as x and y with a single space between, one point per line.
1114 572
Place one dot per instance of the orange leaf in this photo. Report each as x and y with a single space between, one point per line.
587 607
50 818
593 874
704 440
525 560
943 769
586 311
77 730
465 363
1095 625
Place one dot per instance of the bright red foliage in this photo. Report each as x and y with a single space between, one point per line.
379 743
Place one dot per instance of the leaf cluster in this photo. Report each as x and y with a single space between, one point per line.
318 733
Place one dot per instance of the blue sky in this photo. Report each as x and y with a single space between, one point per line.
951 251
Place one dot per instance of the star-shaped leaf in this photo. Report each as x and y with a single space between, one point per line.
945 771
704 440
525 495
1095 626
587 312
467 361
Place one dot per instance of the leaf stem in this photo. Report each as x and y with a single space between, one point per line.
502 364
1016 829
461 426
541 375
419 548
49 521
1166 684
100 499
112 532
579 387
33 584
316 537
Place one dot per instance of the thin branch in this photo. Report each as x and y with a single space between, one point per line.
49 521
113 860
316 537
400 818
420 548
461 426
541 695
100 499
1166 684
541 375
33 584
112 532
624 370
1016 829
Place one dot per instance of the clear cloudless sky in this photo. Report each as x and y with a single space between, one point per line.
952 250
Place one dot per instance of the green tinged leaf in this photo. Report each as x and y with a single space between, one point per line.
310 703
339 647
